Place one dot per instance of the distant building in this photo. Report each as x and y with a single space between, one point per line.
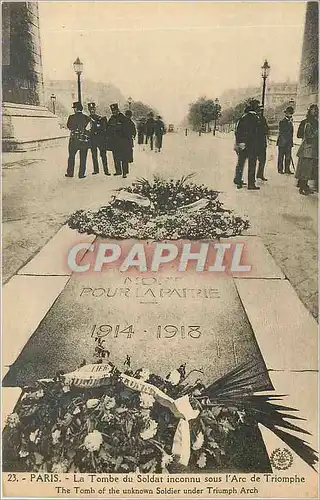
277 93
66 92
232 97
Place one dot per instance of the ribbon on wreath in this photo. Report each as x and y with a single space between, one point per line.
97 375
181 408
144 201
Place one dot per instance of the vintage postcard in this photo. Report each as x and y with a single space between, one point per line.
159 232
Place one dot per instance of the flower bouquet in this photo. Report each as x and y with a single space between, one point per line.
161 210
100 419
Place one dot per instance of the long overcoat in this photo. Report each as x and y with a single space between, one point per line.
119 137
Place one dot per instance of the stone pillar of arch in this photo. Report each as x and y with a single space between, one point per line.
26 122
309 68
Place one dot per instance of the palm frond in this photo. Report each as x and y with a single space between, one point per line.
236 389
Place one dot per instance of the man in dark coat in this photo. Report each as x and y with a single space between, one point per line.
119 140
79 140
159 131
98 139
247 134
285 141
150 129
262 145
141 129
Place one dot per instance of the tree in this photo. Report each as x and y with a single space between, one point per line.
232 114
202 113
140 109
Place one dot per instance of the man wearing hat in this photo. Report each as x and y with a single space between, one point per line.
262 144
119 141
79 140
159 131
247 134
150 129
98 139
285 141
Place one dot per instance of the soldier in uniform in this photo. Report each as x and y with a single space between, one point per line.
79 140
119 140
98 139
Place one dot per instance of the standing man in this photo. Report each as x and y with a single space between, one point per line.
247 133
98 139
285 141
79 140
141 131
262 145
119 140
133 129
150 129
159 131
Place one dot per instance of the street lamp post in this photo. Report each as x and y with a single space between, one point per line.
217 109
264 73
53 103
130 102
78 68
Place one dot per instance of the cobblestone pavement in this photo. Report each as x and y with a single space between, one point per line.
37 199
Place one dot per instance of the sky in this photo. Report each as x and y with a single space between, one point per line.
168 54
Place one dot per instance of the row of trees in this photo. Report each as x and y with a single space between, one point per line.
203 113
233 114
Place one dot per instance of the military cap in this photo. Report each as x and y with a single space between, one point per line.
77 105
91 105
114 107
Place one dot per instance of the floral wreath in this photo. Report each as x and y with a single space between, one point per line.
102 419
160 210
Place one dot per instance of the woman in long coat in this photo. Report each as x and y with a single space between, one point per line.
307 167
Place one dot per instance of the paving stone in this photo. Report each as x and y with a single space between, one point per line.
26 300
301 389
256 254
10 396
285 331
52 258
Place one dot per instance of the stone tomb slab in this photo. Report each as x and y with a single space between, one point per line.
160 320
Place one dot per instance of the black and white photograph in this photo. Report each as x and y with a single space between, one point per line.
159 249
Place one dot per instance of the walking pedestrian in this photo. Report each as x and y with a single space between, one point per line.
141 126
98 139
159 131
307 167
133 129
79 140
262 144
150 129
285 141
247 134
119 140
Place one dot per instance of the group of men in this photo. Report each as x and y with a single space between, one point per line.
98 134
151 128
251 144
